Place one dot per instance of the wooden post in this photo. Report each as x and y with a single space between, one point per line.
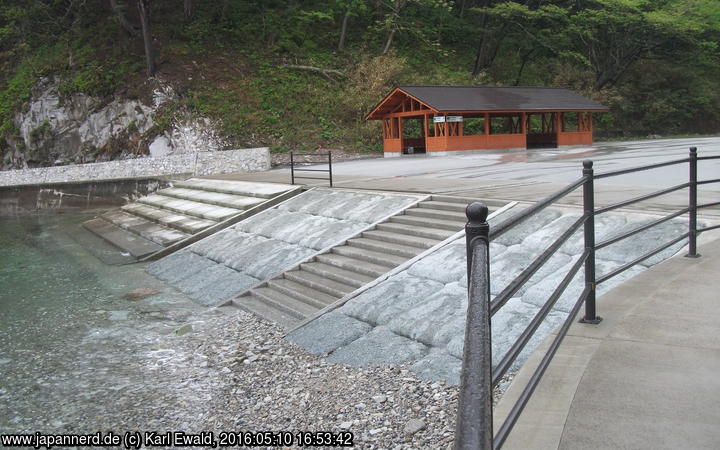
486 124
557 123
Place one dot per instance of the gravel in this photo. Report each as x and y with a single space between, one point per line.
262 382
214 371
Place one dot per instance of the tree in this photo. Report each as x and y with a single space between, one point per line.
351 8
618 33
144 12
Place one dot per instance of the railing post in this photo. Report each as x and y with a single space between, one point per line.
692 206
292 169
589 229
474 427
330 166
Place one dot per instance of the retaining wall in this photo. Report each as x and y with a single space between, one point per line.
200 163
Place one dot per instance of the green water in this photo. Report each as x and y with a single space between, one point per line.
70 345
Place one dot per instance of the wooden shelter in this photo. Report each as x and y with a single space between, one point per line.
442 119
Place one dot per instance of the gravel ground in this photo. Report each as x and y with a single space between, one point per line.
262 382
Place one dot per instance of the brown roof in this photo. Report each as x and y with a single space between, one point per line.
485 98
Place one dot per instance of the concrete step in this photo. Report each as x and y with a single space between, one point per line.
453 199
414 230
398 238
246 188
362 255
126 241
331 287
186 224
452 216
189 207
453 225
289 305
214 198
445 206
404 251
257 306
349 277
306 294
152 231
343 262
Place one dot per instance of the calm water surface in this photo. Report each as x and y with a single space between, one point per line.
74 353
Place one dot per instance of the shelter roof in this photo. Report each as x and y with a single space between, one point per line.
487 98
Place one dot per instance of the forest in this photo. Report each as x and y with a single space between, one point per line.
299 75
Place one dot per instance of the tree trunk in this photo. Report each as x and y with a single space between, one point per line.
525 59
343 31
124 22
481 57
147 37
189 9
388 41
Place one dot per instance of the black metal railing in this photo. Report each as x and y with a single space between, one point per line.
474 429
296 166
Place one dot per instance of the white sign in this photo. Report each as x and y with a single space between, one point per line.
439 119
454 118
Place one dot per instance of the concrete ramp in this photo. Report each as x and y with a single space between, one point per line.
227 263
171 217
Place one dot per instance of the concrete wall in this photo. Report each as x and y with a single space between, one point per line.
201 163
17 200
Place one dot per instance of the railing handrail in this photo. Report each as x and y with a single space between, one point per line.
293 169
474 422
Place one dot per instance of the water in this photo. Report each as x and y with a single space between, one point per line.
74 354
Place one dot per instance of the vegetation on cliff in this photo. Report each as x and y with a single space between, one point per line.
295 74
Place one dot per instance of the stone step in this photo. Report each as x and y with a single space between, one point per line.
440 214
126 241
214 198
362 255
331 287
257 306
345 276
289 305
343 262
246 188
413 230
186 224
404 251
152 231
399 238
445 206
453 225
189 207
306 294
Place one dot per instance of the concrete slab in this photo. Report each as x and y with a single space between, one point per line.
645 395
159 234
379 347
329 332
645 377
188 207
137 246
172 219
247 188
215 198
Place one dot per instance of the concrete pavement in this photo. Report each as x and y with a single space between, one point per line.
646 377
531 175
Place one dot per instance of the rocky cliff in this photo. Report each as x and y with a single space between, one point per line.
58 130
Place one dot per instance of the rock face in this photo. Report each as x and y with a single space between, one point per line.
58 130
